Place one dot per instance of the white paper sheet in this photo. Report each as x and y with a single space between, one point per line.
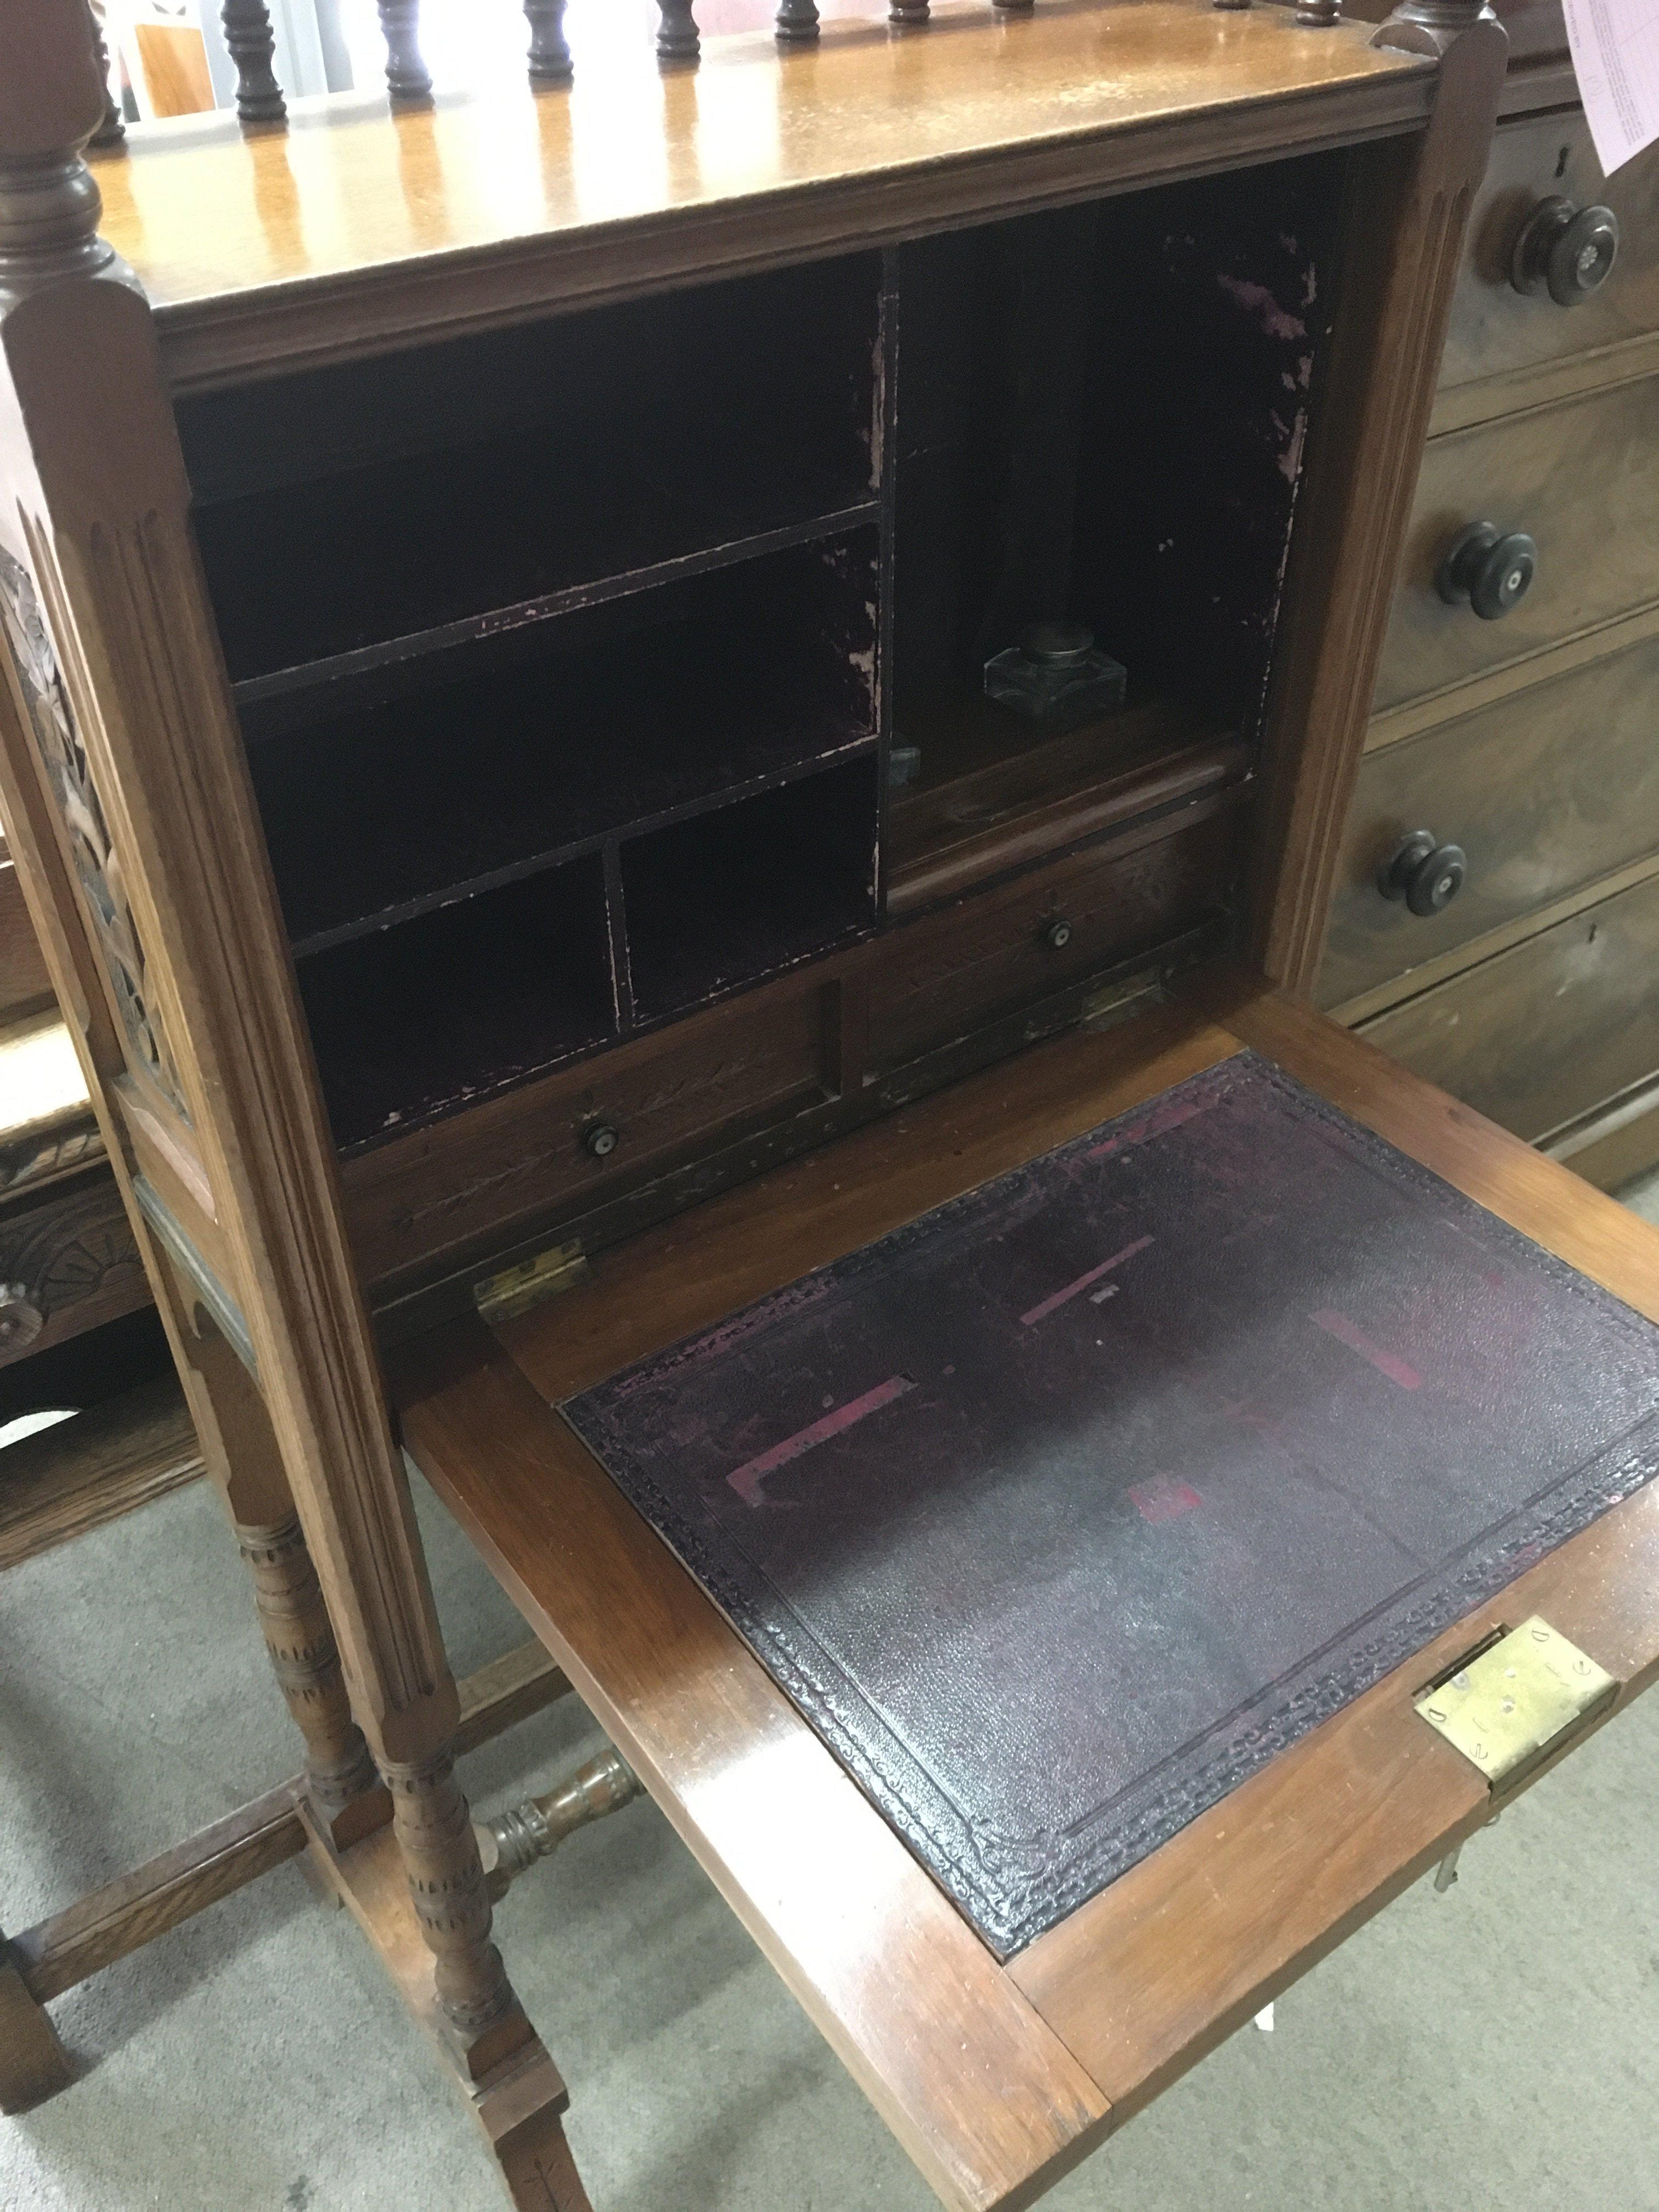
1615 52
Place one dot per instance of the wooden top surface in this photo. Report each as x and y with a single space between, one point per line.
41 1086
995 2079
352 227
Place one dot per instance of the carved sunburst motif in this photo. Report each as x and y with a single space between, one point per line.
58 1257
97 864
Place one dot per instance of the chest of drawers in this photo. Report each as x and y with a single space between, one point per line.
1525 738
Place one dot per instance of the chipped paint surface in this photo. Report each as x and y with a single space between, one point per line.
1259 303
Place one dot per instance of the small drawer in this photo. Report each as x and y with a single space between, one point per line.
444 1195
1581 480
1539 1035
1496 327
1542 792
994 950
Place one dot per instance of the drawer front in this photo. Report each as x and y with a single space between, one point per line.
1544 791
987 954
442 1196
67 1262
1541 1034
1494 327
1582 479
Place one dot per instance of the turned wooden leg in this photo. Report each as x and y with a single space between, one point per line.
300 1642
113 129
252 46
33 2064
407 76
440 1847
549 56
240 1449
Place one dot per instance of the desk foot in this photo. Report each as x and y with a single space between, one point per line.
33 2064
512 2086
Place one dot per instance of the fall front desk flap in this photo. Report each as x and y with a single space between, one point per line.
1063 1509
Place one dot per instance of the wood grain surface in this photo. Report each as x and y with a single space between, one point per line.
1582 479
1538 1035
1545 790
348 229
1494 328
444 1192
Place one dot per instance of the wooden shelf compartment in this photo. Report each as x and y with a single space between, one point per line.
379 510
944 838
530 750
731 897
1059 459
415 1021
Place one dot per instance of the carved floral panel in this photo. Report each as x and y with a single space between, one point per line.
97 865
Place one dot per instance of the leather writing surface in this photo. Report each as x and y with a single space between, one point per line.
1061 1510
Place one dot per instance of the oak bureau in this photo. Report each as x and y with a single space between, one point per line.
681 744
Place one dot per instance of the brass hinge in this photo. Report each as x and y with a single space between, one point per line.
515 1289
1517 1698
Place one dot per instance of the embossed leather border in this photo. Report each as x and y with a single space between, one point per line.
1015 1887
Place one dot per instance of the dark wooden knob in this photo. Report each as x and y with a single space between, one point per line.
1565 251
1423 872
21 1319
600 1139
1058 934
1487 568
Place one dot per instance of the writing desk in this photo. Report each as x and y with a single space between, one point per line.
614 693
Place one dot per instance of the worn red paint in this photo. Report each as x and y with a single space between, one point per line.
1386 1363
1169 1114
747 1478
1083 1282
1164 1499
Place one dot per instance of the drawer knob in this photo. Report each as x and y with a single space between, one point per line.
1565 251
1487 568
21 1319
1425 873
1058 934
600 1139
